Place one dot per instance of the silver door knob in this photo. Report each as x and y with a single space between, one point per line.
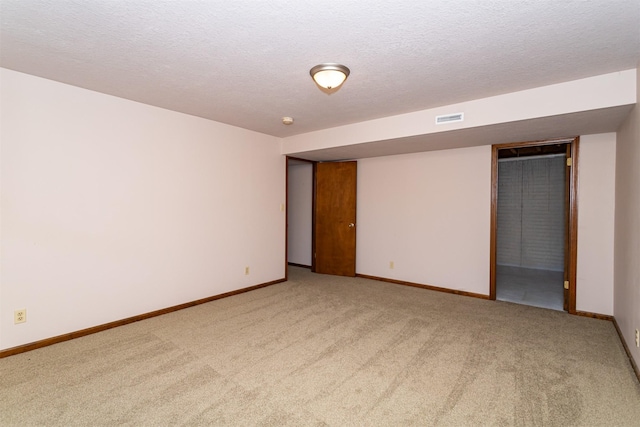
351 225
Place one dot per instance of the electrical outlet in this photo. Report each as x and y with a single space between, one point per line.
637 337
246 271
391 265
20 316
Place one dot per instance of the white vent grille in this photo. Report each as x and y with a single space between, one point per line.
449 118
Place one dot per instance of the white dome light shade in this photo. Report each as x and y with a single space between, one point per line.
329 76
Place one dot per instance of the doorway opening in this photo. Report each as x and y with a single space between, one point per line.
533 223
321 216
299 213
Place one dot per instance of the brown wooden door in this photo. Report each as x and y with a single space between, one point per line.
335 218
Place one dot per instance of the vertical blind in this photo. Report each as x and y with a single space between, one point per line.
531 212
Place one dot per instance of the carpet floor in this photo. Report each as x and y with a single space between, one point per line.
326 350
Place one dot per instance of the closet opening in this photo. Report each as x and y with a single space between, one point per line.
533 218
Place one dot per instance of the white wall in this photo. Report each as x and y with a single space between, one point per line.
596 215
429 213
300 202
626 304
112 208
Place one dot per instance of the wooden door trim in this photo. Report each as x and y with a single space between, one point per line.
573 213
314 187
573 226
493 247
567 224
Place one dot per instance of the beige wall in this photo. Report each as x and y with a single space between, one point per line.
111 208
627 229
596 207
396 177
429 214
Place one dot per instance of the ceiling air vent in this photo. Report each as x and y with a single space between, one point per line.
449 118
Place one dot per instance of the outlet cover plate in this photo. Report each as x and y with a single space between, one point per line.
20 316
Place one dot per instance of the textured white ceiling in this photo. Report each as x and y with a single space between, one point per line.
246 63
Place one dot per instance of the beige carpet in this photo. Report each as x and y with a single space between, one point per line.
325 350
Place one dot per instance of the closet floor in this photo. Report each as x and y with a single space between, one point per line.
538 288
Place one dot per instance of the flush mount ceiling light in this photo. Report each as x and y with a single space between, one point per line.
329 75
